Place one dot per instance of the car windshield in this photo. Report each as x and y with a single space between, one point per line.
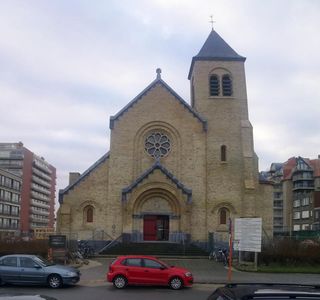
43 261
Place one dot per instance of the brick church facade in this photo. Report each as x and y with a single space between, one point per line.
174 171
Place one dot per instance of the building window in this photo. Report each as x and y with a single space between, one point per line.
296 227
223 153
296 203
214 85
305 214
226 85
296 215
157 145
305 227
223 213
89 214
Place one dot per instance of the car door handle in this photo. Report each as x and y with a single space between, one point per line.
146 270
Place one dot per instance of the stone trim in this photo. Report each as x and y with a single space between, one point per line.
157 165
84 174
145 91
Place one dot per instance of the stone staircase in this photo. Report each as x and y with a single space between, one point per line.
155 249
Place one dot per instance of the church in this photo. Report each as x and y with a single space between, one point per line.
175 171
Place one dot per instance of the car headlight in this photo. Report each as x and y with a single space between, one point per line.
71 274
188 274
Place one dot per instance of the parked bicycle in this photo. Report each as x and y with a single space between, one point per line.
220 255
85 249
76 257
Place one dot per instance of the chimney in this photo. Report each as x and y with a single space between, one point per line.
73 177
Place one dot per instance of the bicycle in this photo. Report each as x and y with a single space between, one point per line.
219 256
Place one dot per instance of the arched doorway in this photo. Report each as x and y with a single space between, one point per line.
156 228
156 215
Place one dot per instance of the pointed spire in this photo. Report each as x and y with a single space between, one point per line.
216 48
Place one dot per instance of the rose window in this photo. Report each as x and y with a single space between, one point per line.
157 145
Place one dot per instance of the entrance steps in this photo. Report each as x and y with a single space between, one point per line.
155 249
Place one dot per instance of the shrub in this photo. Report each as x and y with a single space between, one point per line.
290 252
38 247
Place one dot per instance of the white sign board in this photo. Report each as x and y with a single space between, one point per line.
247 234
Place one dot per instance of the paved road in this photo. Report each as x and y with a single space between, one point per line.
204 271
208 275
107 291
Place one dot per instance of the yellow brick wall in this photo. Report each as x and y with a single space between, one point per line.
194 160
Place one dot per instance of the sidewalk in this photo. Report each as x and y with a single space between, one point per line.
204 271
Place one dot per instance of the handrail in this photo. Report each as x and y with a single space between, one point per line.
109 244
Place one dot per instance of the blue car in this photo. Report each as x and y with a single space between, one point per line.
31 269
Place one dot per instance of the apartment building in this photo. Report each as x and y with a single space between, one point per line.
296 196
10 197
38 179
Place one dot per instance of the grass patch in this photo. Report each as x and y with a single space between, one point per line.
278 268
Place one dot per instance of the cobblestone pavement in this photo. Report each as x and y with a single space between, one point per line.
205 272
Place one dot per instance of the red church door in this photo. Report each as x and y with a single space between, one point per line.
150 228
156 228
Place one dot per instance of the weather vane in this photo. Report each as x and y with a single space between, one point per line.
211 21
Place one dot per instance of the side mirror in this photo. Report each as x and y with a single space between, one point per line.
37 266
162 268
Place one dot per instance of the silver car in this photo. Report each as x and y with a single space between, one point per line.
32 269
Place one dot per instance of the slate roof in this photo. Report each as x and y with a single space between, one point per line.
157 166
158 80
215 48
83 175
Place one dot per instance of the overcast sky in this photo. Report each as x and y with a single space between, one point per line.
66 66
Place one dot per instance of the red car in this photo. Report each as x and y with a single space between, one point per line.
146 270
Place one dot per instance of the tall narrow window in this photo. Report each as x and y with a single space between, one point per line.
223 216
214 85
89 214
223 153
226 85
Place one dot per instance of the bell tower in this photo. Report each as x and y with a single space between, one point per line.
218 93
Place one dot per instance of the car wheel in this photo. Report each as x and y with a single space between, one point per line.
120 282
176 283
54 281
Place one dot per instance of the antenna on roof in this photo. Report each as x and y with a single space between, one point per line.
211 21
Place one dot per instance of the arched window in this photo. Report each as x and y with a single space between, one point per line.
223 216
223 153
214 85
226 85
89 214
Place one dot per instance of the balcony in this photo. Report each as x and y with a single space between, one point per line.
41 174
42 166
36 203
40 189
39 220
39 196
41 182
39 212
303 185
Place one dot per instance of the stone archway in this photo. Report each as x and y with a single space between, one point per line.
156 215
